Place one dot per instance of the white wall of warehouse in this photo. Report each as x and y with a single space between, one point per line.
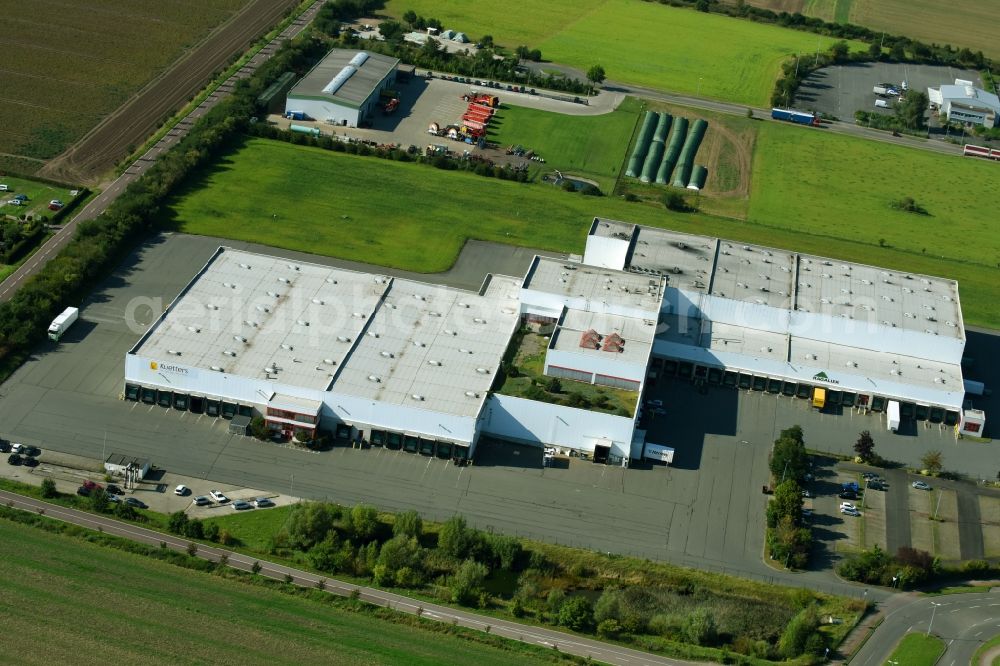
609 364
336 406
541 423
323 111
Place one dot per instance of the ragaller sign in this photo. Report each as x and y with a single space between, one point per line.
822 377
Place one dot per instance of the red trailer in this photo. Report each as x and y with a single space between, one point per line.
473 124
480 107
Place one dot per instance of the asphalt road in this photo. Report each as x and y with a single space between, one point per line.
101 202
962 621
556 640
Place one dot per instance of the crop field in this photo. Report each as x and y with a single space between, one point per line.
591 146
637 42
351 207
67 65
63 598
968 23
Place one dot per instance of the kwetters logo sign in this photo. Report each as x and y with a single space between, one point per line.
166 367
821 377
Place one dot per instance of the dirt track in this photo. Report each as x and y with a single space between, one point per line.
91 157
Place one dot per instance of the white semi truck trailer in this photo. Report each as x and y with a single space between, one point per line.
62 323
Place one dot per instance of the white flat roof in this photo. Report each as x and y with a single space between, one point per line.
330 329
264 317
600 285
755 274
636 333
433 347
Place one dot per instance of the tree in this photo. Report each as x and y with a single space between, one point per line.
789 459
522 53
410 17
409 523
675 201
535 55
486 41
789 543
555 600
932 461
99 500
865 447
309 523
398 553
364 522
700 628
49 488
467 582
596 74
390 30
177 522
125 511
430 48
329 554
577 613
787 501
258 428
506 551
455 538
554 385
840 51
897 52
910 112
875 50
793 640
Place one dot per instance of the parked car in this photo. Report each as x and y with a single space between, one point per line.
114 490
14 202
86 488
241 505
848 495
806 493
201 500
139 504
807 513
849 506
850 512
17 447
4 446
218 496
28 461
32 451
869 475
13 459
181 490
21 197
4 187
114 498
262 502
878 485
920 485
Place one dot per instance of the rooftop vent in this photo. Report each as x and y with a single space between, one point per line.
229 352
301 322
194 329
318 301
417 397
343 338
329 361
434 362
218 369
483 371
387 354
472 394
239 338
374 378
287 346
174 352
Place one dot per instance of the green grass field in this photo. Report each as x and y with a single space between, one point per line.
39 195
637 42
917 650
591 146
415 217
64 599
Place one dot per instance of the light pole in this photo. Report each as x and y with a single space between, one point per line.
938 505
931 623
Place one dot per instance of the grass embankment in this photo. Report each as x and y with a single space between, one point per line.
642 43
589 146
917 650
983 649
125 606
414 217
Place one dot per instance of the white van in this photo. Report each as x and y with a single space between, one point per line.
4 187
882 103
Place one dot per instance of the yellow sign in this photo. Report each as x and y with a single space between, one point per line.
152 365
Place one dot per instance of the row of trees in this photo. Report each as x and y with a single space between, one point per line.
910 567
788 539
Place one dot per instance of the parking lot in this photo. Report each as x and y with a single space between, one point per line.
840 90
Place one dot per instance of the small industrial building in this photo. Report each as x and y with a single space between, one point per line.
118 464
413 366
343 88
963 102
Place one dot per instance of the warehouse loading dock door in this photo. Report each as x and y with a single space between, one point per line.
601 453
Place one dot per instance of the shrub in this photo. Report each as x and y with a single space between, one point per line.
555 600
577 613
794 640
609 628
49 488
408 523
309 523
364 522
467 582
700 628
177 522
194 529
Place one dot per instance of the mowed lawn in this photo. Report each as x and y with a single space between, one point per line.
64 600
416 217
591 146
642 43
841 186
917 650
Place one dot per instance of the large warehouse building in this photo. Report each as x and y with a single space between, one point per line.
343 88
410 365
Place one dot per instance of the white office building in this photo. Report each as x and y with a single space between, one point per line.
965 103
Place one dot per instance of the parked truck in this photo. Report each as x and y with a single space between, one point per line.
62 323
892 415
793 116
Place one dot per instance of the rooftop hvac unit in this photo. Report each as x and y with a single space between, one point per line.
287 346
343 338
374 378
434 362
272 294
284 279
417 397
434 314
218 369
174 352
328 361
358 315
229 285
417 343
482 371
386 354
194 329
270 370
472 394
263 308
239 338
302 322
247 266
448 331
318 301
373 334
229 352
331 281
212 307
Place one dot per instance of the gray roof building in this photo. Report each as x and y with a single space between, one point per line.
345 77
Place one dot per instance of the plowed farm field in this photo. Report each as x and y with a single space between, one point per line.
66 66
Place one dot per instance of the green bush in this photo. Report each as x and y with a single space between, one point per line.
48 488
577 614
700 628
467 583
796 636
